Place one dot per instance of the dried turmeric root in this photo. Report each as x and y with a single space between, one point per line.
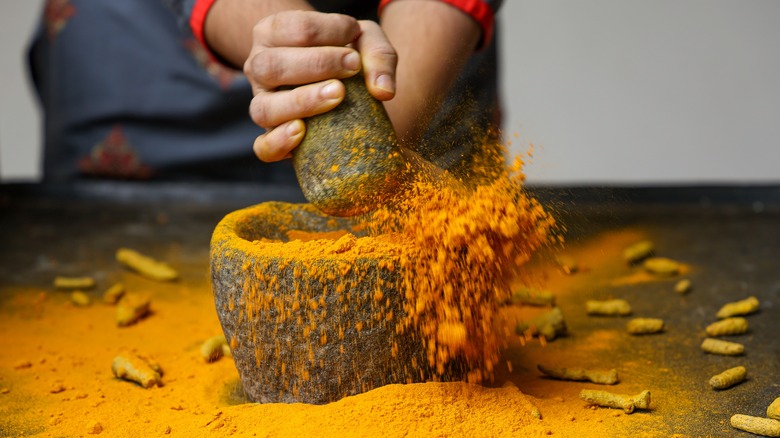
743 307
550 325
146 266
131 309
80 299
756 425
74 282
532 297
609 400
728 326
114 293
604 377
638 251
661 266
724 348
616 307
645 326
137 368
729 378
773 410
214 348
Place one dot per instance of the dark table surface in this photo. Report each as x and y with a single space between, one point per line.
731 234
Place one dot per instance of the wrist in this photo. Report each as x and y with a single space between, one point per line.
227 25
479 10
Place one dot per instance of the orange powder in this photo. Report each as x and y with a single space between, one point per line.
466 246
305 236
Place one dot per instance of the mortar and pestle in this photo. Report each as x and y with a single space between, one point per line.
307 327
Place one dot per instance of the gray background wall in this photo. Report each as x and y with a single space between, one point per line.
608 91
20 139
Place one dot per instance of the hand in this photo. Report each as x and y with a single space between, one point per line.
310 51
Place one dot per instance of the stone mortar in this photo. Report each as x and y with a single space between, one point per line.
292 353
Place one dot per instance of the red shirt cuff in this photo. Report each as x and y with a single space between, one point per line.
198 21
476 9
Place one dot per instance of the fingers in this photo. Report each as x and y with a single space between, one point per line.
280 113
305 29
275 67
278 143
310 51
379 60
300 48
270 109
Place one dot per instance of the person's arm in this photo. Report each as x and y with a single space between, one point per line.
280 45
434 40
228 24
283 44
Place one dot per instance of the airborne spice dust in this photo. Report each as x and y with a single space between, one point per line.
465 248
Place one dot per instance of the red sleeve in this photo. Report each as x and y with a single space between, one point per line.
480 11
198 20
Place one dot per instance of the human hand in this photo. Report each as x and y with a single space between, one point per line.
294 67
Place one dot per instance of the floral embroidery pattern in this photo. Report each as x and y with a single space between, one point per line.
56 14
223 75
114 157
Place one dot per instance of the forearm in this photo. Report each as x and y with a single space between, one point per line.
229 23
434 41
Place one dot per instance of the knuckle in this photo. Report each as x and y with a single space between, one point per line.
260 147
258 112
262 29
258 30
369 25
349 24
320 62
265 154
265 68
383 50
303 33
304 100
299 28
272 148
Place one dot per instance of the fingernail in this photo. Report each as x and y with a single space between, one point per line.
331 90
351 61
385 82
293 128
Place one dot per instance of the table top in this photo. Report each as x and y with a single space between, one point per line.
729 236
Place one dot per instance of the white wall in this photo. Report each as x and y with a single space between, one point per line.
644 91
20 139
609 91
